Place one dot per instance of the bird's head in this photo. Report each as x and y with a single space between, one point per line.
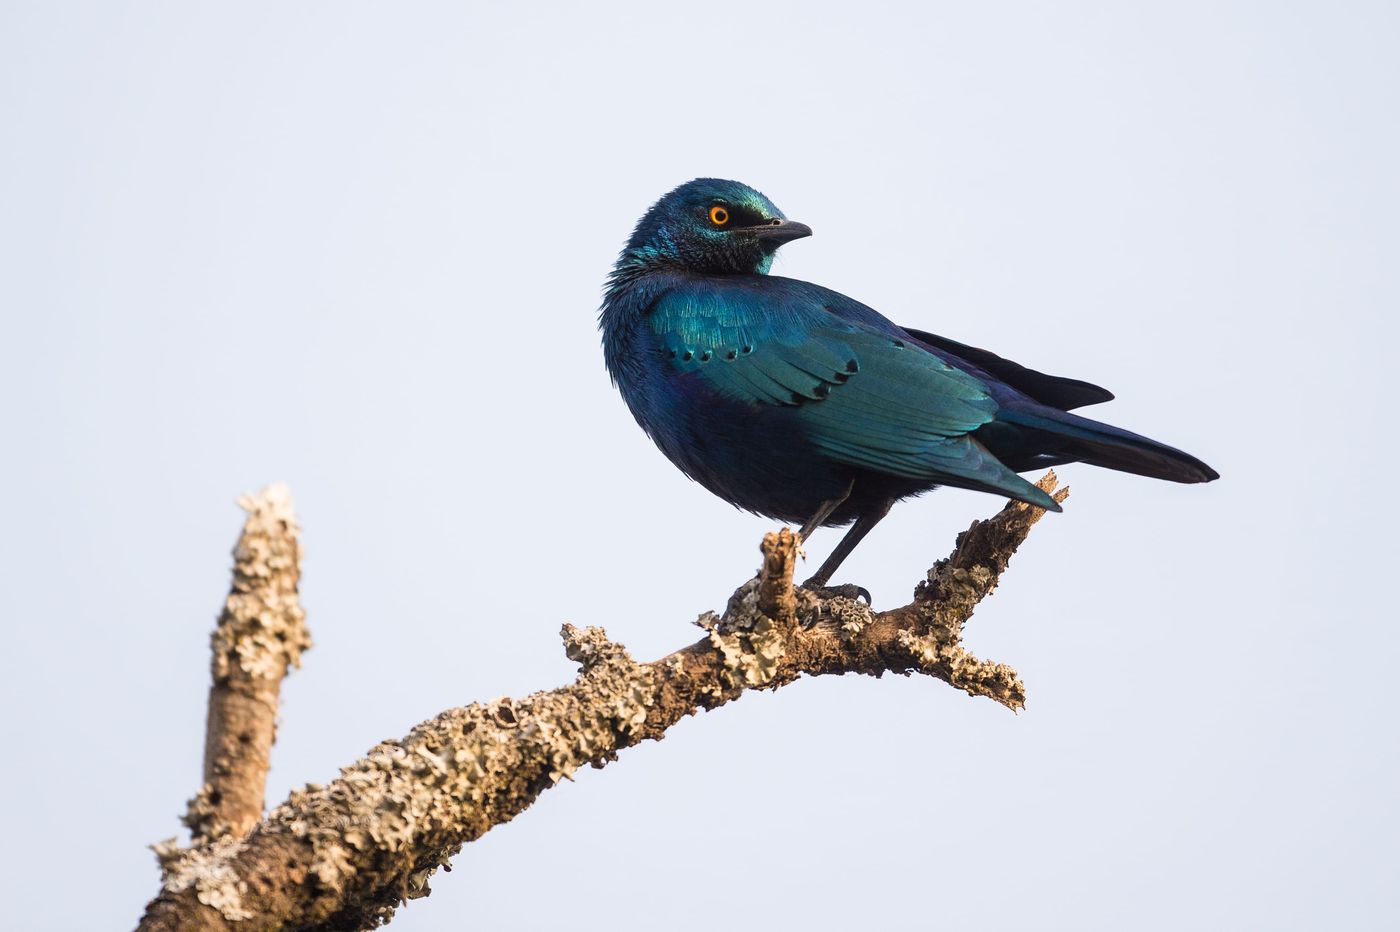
711 226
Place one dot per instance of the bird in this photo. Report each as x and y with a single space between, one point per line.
793 401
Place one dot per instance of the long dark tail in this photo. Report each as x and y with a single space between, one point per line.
1066 436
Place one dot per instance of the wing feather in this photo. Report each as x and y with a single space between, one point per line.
861 396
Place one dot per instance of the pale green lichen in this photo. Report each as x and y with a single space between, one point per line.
209 870
848 616
960 589
378 832
750 658
750 644
453 777
935 653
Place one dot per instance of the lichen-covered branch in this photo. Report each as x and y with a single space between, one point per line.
345 854
261 633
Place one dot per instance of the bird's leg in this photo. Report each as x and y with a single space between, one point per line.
854 536
824 511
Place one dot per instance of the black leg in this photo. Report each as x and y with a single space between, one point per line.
848 543
824 512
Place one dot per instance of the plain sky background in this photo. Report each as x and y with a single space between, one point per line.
359 248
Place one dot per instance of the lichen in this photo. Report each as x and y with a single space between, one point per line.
453 777
937 654
345 854
201 816
209 870
752 656
849 617
262 629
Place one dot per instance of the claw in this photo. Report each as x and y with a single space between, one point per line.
845 591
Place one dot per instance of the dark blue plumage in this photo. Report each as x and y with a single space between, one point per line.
793 401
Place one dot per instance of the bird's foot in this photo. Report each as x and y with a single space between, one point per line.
845 591
837 606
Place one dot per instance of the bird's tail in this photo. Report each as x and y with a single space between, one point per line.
1089 441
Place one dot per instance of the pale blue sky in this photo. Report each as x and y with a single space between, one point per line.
358 247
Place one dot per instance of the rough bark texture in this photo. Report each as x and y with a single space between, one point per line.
261 633
345 854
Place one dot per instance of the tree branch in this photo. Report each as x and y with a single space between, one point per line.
261 633
344 855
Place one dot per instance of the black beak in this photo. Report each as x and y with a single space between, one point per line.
777 232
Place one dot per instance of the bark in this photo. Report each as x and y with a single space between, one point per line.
345 854
260 635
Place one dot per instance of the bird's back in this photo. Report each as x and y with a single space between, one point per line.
795 401
777 394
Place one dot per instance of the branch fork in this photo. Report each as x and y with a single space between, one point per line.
345 855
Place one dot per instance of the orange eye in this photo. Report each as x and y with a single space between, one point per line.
719 216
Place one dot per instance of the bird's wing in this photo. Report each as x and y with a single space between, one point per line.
863 397
1053 390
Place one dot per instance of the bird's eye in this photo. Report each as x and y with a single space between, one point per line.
719 216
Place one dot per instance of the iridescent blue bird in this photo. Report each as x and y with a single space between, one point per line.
793 401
